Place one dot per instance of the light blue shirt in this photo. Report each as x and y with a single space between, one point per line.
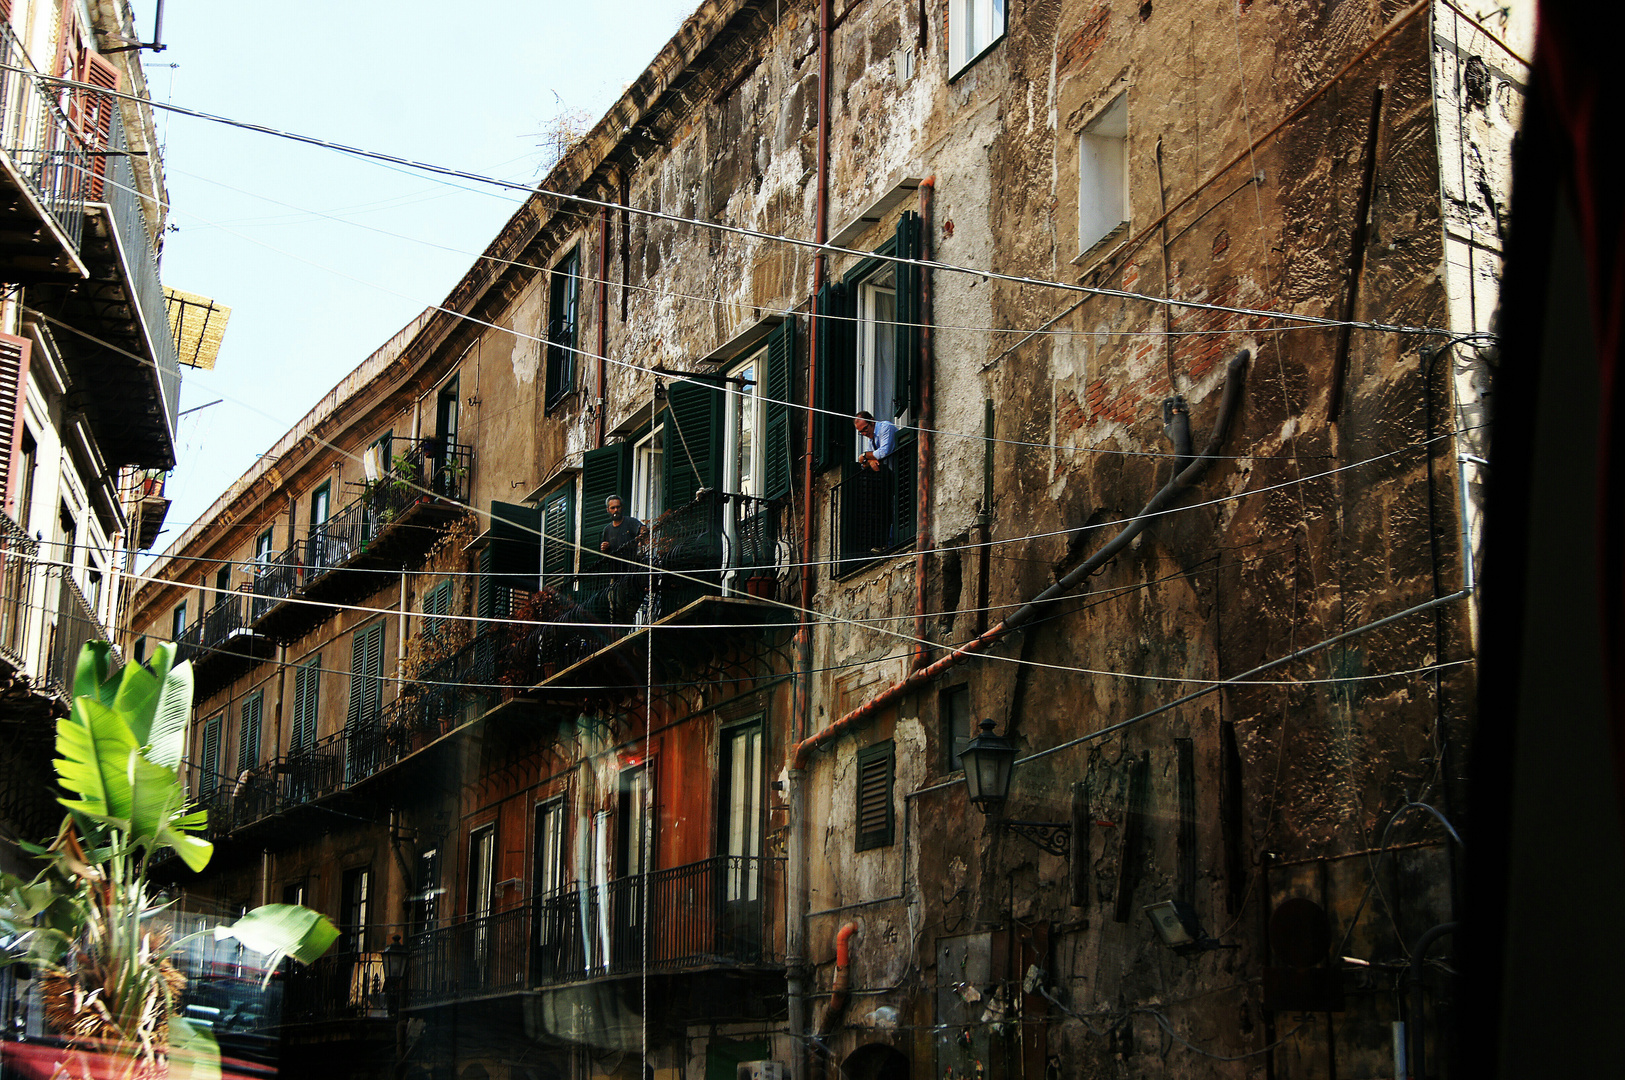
883 438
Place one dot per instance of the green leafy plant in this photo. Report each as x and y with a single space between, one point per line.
88 923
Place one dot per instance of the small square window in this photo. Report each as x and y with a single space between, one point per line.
876 777
973 27
1103 176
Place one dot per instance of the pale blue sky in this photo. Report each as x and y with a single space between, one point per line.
467 85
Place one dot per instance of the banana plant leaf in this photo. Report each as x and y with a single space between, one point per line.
101 761
279 930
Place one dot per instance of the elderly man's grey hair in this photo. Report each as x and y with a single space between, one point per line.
613 498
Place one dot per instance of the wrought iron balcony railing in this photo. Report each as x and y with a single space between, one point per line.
35 134
76 624
127 216
719 542
710 914
206 637
430 471
872 513
338 986
17 573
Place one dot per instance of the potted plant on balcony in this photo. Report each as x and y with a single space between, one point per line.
89 924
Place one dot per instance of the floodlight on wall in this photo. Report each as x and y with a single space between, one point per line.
1179 928
988 761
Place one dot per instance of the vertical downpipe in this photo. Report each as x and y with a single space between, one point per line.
796 883
603 318
925 423
984 520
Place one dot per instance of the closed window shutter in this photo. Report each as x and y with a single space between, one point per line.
487 602
874 810
436 602
693 440
605 471
306 683
837 375
907 383
366 669
209 759
558 538
14 353
779 462
248 732
96 118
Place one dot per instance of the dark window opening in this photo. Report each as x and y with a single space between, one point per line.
563 314
953 707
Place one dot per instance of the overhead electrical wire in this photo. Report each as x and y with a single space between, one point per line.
634 628
755 234
659 372
714 301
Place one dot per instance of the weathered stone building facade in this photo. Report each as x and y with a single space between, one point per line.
1175 313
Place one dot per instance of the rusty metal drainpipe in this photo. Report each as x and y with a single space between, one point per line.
603 315
984 520
839 986
795 931
925 423
1075 577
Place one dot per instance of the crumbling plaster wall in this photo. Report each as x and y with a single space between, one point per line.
1209 591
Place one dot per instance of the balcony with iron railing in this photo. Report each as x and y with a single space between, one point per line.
17 573
712 915
721 544
872 513
76 624
117 198
392 523
222 644
44 166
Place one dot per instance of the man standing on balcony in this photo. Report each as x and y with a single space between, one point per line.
619 541
882 436
620 537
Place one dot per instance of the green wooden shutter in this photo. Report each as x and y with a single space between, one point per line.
837 375
366 671
306 684
605 471
907 384
209 759
248 731
558 537
779 464
516 544
693 440
487 602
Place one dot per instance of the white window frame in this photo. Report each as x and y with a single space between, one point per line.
1103 202
974 26
739 403
649 476
876 374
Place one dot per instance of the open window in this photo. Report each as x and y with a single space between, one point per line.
973 28
869 360
563 313
1103 178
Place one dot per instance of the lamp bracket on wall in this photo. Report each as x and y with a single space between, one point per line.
1054 837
